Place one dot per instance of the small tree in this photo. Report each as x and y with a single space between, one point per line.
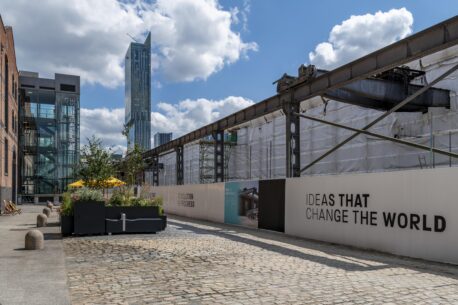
95 165
133 163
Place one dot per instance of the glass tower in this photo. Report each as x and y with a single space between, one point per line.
138 93
162 138
48 134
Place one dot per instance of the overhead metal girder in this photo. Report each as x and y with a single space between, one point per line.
395 108
218 152
384 94
428 41
380 136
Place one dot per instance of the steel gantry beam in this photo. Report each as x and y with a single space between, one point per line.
383 116
426 42
219 155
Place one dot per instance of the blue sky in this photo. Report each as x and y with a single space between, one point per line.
210 57
286 31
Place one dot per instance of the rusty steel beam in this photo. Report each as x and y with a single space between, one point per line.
438 37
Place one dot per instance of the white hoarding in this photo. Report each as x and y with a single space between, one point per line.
412 213
200 201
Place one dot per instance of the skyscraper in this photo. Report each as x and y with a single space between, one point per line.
138 93
162 138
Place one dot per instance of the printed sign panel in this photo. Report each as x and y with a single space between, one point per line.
412 213
241 203
201 201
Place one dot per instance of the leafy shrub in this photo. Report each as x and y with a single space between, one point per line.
139 202
121 197
66 209
86 194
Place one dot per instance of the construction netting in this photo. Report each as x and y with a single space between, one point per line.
259 152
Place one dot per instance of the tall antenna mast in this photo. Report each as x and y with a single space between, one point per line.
132 37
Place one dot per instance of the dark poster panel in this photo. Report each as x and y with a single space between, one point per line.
271 214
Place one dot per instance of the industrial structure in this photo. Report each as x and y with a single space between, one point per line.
49 135
395 108
138 93
8 115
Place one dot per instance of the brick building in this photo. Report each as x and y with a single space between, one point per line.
8 115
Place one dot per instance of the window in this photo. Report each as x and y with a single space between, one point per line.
65 87
46 88
6 157
47 111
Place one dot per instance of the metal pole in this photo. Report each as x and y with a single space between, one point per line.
395 108
383 137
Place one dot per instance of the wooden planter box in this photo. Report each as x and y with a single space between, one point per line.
138 220
66 225
89 217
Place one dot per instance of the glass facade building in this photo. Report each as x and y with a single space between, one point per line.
162 138
48 135
138 93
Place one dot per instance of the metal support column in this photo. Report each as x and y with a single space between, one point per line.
156 170
180 165
293 147
219 155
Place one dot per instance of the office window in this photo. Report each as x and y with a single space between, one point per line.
6 157
65 87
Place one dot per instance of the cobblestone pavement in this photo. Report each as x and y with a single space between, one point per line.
203 263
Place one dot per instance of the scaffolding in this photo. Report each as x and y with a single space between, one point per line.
207 159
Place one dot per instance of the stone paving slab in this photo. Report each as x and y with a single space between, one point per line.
195 262
31 277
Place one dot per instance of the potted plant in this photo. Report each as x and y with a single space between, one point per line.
89 211
142 215
66 215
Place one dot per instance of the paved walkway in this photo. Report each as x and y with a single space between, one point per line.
203 263
31 277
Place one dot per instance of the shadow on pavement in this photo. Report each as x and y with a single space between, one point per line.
363 260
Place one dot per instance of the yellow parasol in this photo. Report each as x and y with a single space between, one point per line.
108 183
113 182
76 184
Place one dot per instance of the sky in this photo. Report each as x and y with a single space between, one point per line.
209 57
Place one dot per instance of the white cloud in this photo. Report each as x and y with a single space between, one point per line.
181 118
192 39
105 124
360 35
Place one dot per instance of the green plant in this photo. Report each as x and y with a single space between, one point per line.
121 197
133 163
66 209
139 202
96 164
86 194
